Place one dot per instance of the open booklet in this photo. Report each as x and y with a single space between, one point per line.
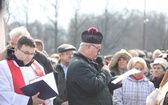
46 85
121 77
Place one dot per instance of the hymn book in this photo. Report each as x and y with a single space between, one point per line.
46 85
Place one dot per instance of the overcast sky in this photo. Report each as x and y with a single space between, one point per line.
87 7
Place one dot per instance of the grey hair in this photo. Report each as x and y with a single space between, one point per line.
84 44
19 31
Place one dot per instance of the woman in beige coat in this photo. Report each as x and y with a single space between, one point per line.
118 65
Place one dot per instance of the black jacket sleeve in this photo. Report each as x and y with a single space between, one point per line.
30 102
113 86
57 101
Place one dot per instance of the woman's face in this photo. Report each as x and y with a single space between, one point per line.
139 67
122 63
158 70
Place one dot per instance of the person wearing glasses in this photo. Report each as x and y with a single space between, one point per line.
86 82
14 35
65 52
16 71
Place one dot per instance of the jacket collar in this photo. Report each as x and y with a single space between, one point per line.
11 56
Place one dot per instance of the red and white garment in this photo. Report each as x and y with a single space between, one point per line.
12 77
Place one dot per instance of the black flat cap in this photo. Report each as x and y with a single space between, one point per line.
92 36
65 47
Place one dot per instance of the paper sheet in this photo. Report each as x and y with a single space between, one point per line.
121 77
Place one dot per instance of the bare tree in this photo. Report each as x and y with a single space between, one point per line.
77 24
54 5
26 8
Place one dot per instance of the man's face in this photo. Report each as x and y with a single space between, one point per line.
95 50
66 56
25 54
13 42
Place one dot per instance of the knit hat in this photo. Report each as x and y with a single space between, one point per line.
161 61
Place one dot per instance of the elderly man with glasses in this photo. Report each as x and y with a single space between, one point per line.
14 35
86 82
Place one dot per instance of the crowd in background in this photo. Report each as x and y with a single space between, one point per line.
153 68
84 76
154 65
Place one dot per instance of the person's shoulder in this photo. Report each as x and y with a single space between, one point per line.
3 61
57 66
76 63
40 55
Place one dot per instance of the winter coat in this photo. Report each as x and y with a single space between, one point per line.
85 84
157 81
61 86
133 92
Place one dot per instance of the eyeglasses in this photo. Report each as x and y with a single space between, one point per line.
27 53
98 49
67 53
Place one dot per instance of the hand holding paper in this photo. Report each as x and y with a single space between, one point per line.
121 77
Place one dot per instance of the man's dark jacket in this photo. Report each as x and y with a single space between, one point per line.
87 85
44 61
61 85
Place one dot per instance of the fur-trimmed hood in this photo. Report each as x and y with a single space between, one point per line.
117 55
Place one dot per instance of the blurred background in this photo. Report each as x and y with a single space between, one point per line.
125 24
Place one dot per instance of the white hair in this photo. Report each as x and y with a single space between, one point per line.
19 31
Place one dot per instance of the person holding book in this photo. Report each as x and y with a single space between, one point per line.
14 36
17 71
136 87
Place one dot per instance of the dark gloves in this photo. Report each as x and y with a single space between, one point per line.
113 86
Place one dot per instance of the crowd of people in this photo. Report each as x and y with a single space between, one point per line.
82 76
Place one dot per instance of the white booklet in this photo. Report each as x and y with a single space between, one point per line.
50 80
126 74
46 85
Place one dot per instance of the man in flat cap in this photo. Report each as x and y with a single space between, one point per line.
65 52
86 82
